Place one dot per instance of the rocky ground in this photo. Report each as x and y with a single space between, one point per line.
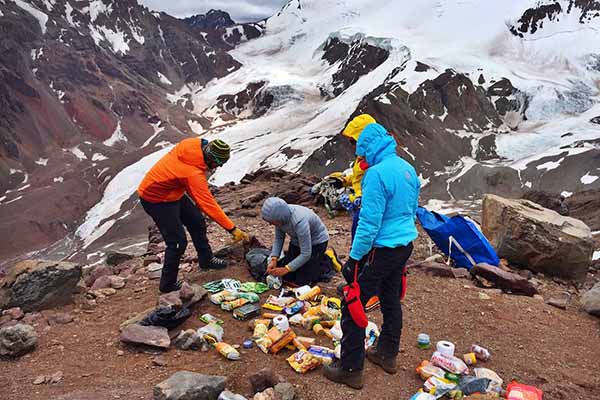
79 355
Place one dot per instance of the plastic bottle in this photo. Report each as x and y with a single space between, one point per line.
470 359
481 353
274 282
227 351
311 294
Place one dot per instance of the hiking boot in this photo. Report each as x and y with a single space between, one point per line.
372 304
176 286
215 263
387 363
336 373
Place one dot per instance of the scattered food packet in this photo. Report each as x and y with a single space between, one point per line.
210 319
256 287
303 361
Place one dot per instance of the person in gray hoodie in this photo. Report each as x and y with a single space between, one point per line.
302 263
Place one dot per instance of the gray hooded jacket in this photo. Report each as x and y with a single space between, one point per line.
304 227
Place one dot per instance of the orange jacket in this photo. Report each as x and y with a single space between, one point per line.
179 171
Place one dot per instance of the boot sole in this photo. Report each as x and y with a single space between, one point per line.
379 363
353 385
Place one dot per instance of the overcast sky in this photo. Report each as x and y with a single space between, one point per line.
240 10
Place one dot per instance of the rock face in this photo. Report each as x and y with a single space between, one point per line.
539 239
504 280
82 89
591 300
37 285
149 335
17 340
358 57
186 385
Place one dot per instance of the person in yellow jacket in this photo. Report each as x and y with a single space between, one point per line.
352 201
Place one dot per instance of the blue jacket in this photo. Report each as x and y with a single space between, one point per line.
390 195
304 227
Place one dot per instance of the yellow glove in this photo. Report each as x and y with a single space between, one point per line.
239 235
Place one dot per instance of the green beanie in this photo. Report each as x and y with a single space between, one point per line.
219 150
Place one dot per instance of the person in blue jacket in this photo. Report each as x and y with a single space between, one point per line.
384 236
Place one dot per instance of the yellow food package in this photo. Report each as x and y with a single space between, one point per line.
303 362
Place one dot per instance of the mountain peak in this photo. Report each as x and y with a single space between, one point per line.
213 19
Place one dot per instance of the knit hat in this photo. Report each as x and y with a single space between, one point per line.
219 150
356 126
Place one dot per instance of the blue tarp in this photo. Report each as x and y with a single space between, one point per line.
469 245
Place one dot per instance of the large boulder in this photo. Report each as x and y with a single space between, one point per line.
537 238
184 385
36 285
504 280
17 340
591 300
156 336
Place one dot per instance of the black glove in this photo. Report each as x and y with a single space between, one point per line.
348 269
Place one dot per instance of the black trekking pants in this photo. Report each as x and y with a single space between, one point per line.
381 276
170 218
311 272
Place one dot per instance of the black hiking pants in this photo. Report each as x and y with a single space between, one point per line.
170 218
311 272
381 276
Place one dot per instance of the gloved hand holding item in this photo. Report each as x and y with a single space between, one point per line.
357 202
346 202
239 235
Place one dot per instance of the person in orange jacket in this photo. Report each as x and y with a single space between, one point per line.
175 194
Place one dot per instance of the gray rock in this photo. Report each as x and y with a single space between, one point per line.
188 340
560 301
439 269
152 258
171 299
153 267
227 395
17 340
504 280
185 385
149 335
537 238
591 300
285 391
14 313
263 379
36 285
115 258
101 270
60 318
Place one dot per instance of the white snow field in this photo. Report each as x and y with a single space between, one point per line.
468 36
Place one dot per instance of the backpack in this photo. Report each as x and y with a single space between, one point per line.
258 259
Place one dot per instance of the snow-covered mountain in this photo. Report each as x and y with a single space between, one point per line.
483 96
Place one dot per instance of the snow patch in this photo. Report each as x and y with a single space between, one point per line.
424 181
99 157
13 200
588 179
42 161
596 255
164 79
550 165
69 15
59 179
528 184
566 194
78 153
98 7
99 219
157 129
49 4
196 127
116 137
37 14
